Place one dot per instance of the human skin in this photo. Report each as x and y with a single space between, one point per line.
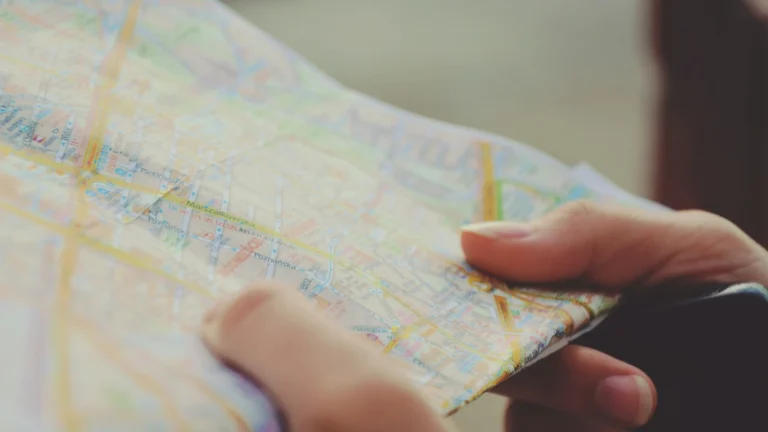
326 379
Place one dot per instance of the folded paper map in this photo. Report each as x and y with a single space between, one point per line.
158 154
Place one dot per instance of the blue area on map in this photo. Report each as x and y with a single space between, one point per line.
44 113
518 205
576 193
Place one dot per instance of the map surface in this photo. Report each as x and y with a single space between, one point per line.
158 154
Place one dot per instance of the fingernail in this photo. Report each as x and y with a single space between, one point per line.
499 229
625 398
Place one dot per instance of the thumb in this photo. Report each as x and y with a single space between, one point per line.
615 247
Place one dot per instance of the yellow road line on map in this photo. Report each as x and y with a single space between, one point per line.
567 318
123 102
25 63
130 259
52 226
120 255
490 202
516 351
183 202
531 189
145 381
96 141
421 321
146 265
408 330
348 265
531 302
217 214
101 107
508 323
391 345
126 185
60 332
502 309
577 302
61 322
462 345
175 199
6 150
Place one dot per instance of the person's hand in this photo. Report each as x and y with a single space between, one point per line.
323 378
609 249
326 379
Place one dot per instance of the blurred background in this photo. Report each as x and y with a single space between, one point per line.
572 78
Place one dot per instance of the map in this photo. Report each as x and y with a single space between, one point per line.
158 154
